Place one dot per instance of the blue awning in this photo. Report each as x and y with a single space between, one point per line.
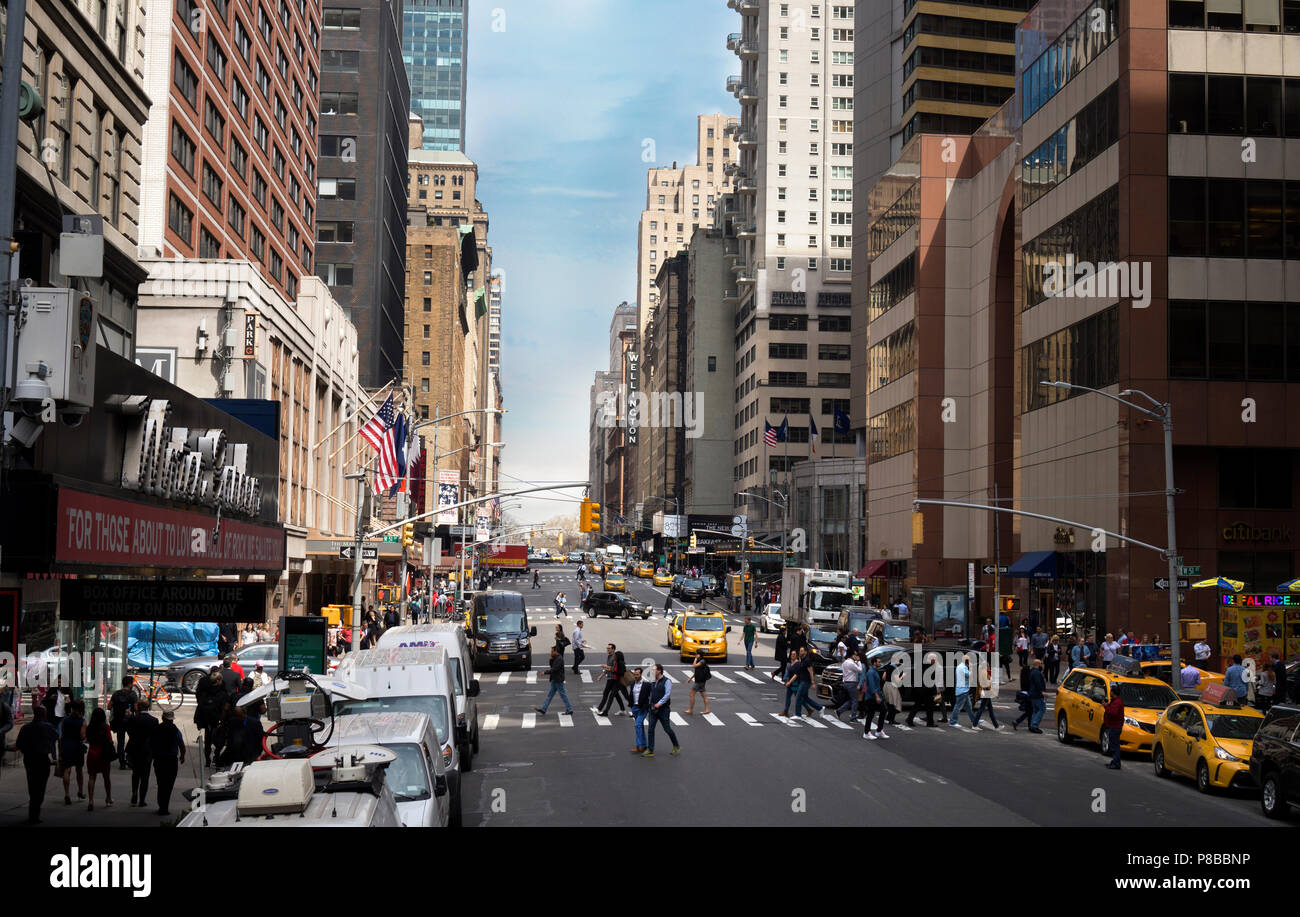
1034 565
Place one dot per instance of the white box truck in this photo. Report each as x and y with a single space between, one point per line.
815 597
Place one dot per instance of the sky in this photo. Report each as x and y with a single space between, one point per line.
562 94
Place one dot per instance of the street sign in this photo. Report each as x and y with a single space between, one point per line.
988 569
368 552
1190 570
1163 582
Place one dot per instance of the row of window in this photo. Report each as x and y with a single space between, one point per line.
893 432
1085 353
892 358
1234 218
180 219
785 405
1234 341
800 323
957 59
898 219
779 350
800 380
945 91
1231 16
1235 105
959 26
1090 233
1081 43
928 122
1093 130
891 289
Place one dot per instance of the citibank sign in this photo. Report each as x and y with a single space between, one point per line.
195 466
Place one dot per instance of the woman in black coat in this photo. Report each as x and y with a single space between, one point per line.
782 653
210 697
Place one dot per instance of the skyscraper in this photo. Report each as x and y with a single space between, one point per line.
435 41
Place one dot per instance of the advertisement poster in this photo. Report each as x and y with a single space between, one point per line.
948 612
448 495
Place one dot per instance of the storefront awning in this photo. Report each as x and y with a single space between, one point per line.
1034 565
875 568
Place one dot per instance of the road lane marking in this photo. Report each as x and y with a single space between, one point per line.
566 719
503 678
677 719
749 719
812 721
531 677
835 721
724 679
602 720
757 681
585 676
713 718
530 720
490 721
783 719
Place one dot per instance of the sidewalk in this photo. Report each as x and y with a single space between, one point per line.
54 814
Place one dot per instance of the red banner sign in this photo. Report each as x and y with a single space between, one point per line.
104 530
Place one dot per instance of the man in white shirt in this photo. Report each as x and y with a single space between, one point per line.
850 676
1202 650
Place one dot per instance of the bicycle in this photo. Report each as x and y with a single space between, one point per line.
153 688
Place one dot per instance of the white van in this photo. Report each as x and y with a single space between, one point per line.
451 637
345 789
414 679
418 778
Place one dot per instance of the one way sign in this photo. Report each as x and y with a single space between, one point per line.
1163 582
349 552
988 569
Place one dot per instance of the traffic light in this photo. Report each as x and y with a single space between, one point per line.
408 535
560 539
1010 603
589 517
693 541
751 543
918 528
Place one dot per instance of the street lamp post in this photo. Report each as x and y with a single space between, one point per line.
1164 413
357 565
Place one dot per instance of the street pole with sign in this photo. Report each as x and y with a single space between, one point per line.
357 562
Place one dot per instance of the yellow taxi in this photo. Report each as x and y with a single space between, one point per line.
614 582
645 571
1085 691
662 578
1159 668
596 567
675 628
1210 743
703 632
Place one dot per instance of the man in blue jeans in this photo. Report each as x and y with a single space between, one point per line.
961 699
748 636
1037 688
557 684
660 712
640 709
803 687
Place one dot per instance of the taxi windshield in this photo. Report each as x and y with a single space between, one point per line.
1232 725
703 622
1149 697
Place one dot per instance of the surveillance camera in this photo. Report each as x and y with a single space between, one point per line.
72 417
25 431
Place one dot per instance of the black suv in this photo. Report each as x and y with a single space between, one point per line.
1275 759
615 605
711 585
691 590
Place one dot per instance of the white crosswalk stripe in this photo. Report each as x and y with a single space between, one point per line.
783 719
723 678
713 718
749 719
566 719
531 677
757 681
677 719
585 676
602 720
835 721
813 722
503 678
490 721
530 720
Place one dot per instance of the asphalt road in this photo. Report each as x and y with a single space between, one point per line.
745 766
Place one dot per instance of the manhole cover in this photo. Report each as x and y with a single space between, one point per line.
516 764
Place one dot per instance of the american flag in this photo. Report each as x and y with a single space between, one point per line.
769 433
381 434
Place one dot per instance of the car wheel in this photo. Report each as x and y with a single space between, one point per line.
1270 796
1063 731
1103 739
1158 761
625 615
591 612
1203 777
190 683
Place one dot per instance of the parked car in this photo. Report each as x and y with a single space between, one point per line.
1275 759
1208 742
188 672
615 605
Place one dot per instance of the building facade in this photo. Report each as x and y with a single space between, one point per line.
679 201
435 47
361 224
794 223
